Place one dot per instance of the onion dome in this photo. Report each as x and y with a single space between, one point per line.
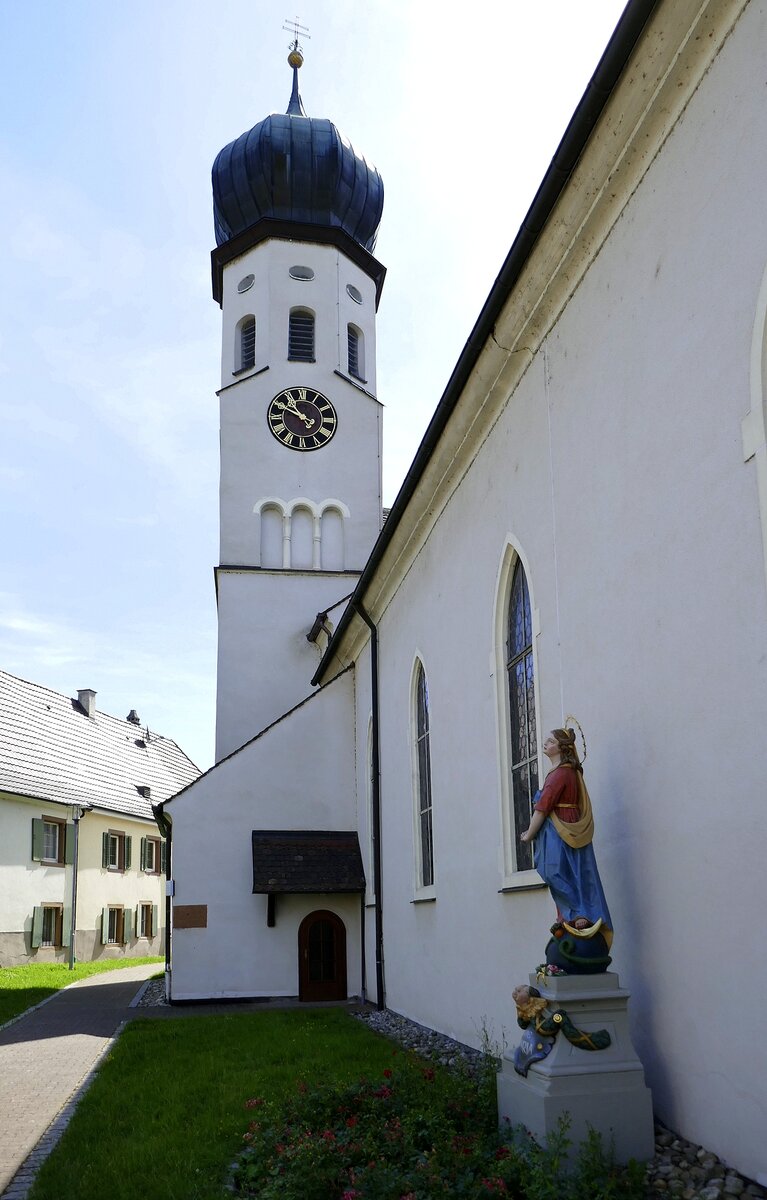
290 167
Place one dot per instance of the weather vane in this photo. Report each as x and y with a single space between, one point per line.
296 28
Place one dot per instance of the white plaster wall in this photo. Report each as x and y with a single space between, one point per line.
25 883
617 465
98 887
265 662
253 463
300 774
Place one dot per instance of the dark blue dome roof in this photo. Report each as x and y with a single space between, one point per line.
291 167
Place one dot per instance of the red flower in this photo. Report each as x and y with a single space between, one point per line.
351 1122
428 1074
329 1136
256 1103
387 1073
502 1152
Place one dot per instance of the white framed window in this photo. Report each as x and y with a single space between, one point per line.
424 826
49 930
146 919
116 850
151 859
115 925
370 787
516 630
49 841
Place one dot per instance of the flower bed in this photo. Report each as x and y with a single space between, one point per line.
417 1133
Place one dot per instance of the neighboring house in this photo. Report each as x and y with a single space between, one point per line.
77 831
583 530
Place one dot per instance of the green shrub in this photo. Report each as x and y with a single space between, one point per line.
417 1133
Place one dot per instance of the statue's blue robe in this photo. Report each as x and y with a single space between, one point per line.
571 875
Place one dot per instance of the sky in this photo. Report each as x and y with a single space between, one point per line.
109 336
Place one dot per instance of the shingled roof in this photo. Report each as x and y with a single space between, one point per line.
52 750
287 862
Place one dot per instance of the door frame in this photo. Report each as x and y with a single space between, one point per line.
335 989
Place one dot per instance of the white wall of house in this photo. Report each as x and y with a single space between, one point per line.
100 887
299 774
617 468
26 884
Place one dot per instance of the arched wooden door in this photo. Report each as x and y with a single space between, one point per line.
322 957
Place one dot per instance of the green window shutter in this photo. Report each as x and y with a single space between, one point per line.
69 845
137 919
38 840
104 925
128 844
105 849
142 855
164 857
37 926
66 928
127 924
155 918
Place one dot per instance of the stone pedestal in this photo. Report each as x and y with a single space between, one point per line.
604 1089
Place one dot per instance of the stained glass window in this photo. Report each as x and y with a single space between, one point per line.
423 769
524 739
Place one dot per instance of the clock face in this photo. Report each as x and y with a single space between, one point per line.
302 418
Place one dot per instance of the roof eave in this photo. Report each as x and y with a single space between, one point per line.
598 91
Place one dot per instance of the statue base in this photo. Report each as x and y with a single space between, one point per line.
604 1089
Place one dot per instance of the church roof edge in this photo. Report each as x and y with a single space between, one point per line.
574 140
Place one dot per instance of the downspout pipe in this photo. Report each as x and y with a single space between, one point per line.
78 812
165 825
376 804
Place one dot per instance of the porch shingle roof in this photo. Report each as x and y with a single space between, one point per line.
288 862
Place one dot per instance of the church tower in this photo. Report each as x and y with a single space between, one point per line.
296 214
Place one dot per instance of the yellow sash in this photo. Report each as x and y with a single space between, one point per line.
577 834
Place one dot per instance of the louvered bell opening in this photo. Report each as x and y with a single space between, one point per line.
248 344
354 352
301 337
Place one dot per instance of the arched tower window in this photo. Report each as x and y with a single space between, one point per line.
272 519
301 335
424 831
332 549
356 351
524 738
301 539
245 344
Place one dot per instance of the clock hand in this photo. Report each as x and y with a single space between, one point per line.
292 407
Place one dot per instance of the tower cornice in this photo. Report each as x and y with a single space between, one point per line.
293 231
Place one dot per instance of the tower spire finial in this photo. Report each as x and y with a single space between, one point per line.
295 60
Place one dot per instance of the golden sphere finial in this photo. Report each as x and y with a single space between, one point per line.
295 58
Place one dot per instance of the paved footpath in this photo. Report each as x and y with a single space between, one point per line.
45 1057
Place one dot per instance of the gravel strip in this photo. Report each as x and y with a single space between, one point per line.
680 1169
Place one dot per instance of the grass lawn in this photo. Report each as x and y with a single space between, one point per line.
166 1114
21 987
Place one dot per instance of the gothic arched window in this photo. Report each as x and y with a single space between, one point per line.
301 335
524 738
424 831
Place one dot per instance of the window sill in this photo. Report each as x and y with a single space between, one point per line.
51 862
522 883
249 371
355 382
427 896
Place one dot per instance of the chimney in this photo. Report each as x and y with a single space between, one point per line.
86 698
133 717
